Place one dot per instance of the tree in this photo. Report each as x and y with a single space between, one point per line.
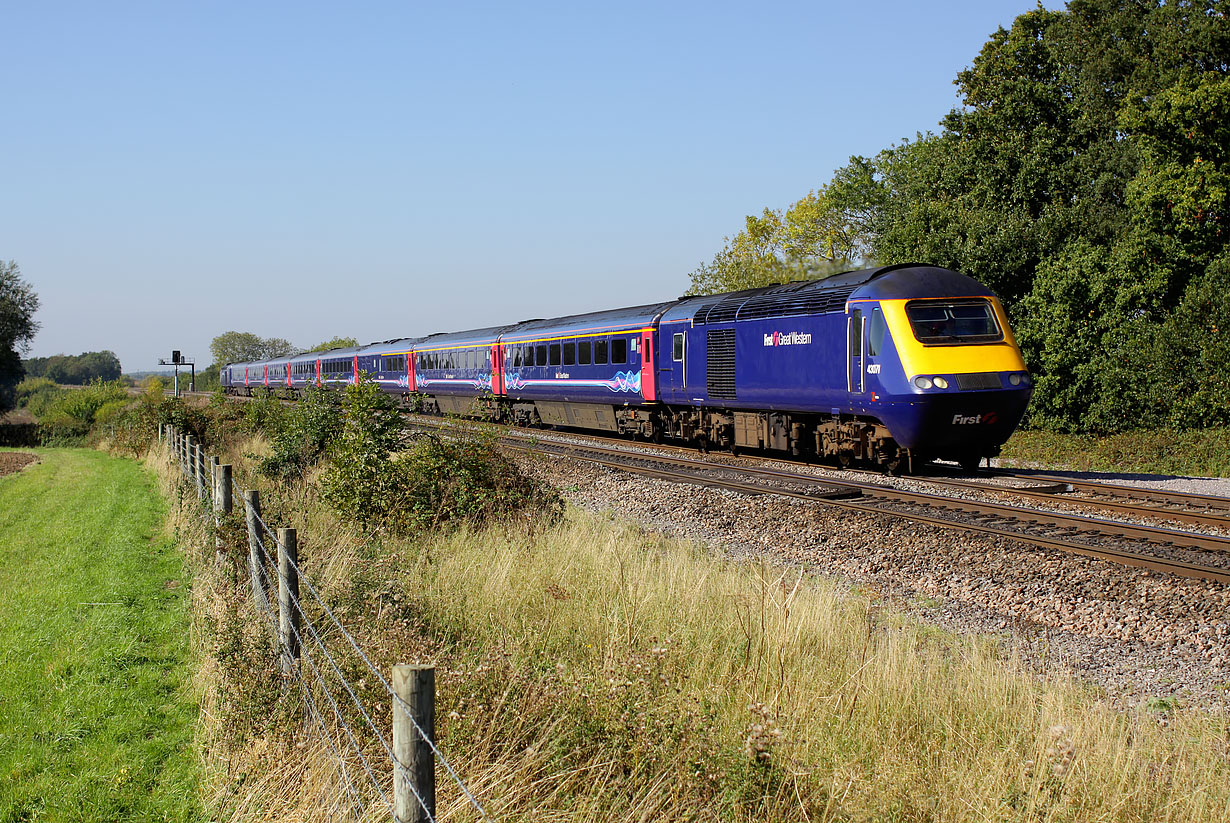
820 234
18 303
240 347
1086 179
76 370
336 343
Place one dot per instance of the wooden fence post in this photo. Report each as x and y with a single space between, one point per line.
288 598
414 763
190 460
222 505
211 486
198 469
256 550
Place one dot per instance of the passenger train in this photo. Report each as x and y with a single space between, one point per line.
893 366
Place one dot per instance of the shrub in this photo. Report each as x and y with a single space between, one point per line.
459 478
74 413
300 433
37 395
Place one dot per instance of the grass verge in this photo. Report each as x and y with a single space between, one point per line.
96 720
592 671
1199 453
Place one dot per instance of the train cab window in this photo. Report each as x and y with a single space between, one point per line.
583 352
877 329
619 350
570 354
540 355
856 333
554 351
677 347
971 321
600 347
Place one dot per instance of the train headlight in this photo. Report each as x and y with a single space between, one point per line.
1014 379
922 382
941 383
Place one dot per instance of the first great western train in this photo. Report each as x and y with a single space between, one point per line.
893 366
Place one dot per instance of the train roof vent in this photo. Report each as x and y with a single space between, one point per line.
699 319
724 311
788 305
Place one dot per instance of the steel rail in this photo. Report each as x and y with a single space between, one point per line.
838 493
1208 501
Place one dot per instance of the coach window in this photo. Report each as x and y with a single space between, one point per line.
570 354
619 350
514 357
600 352
583 352
677 349
554 351
540 355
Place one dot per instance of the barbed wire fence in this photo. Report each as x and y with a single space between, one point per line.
379 776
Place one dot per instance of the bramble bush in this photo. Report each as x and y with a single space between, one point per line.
299 433
69 416
438 480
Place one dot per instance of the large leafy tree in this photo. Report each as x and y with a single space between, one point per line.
239 347
336 343
18 303
820 234
1086 179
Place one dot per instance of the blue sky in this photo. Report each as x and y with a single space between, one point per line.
171 171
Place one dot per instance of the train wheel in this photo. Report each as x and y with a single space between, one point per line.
970 462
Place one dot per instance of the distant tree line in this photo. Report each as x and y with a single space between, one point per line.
1086 179
75 369
244 347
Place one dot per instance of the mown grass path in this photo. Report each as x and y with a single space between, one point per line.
96 718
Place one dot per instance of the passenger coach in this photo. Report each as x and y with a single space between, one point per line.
893 366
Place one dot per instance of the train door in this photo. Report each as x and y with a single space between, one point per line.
856 352
497 368
679 357
412 362
649 382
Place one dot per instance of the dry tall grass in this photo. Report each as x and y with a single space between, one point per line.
596 672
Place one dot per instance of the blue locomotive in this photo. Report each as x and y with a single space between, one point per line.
892 366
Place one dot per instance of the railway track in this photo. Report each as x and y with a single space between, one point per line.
1173 551
1157 548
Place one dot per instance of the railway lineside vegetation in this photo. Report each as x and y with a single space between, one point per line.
1086 179
97 708
593 671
